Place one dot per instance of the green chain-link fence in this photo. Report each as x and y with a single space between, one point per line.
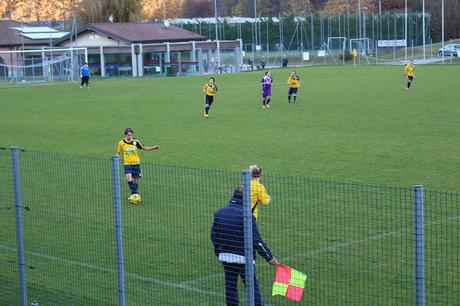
354 241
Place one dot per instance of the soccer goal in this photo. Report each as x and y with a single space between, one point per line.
338 45
42 65
362 47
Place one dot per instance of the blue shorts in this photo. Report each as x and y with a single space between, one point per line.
209 100
410 78
135 170
292 91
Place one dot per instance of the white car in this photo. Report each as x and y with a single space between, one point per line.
450 50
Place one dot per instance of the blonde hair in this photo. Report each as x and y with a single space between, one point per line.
256 170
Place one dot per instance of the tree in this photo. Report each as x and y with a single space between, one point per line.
451 19
100 11
198 8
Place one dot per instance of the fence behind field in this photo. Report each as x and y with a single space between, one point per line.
359 244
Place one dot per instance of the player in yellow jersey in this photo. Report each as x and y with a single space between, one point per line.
409 71
209 90
259 195
129 147
294 84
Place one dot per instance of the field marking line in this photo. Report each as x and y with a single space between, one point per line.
334 247
186 285
363 240
113 271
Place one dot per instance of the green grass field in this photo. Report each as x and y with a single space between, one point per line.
354 240
356 124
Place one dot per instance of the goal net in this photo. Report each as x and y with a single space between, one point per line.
361 45
337 43
41 65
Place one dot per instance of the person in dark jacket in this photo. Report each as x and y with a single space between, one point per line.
227 235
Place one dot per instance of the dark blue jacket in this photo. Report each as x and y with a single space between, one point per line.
227 233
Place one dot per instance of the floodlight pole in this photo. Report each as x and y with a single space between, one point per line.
380 19
255 23
423 24
359 18
442 30
405 30
164 10
215 16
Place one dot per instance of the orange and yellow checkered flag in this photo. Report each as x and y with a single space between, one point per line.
289 283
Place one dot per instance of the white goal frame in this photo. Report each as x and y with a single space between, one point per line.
362 43
48 64
342 38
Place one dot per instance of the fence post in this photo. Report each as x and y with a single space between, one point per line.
19 233
248 244
118 229
419 246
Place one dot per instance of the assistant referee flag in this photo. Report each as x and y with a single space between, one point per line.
289 283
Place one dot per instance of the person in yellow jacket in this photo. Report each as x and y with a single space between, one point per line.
259 195
409 71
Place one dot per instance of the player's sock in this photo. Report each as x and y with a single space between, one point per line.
289 98
206 110
133 186
295 97
408 84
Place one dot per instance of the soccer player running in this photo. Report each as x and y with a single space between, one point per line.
129 147
259 195
409 71
266 83
294 84
210 90
84 74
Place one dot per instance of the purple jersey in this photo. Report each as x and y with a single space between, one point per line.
266 86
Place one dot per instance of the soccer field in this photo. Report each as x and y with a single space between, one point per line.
354 241
349 123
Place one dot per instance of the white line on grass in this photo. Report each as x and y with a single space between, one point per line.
334 247
130 275
185 285
358 241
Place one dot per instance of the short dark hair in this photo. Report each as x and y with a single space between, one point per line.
128 130
238 193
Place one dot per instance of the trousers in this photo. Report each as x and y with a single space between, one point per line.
232 272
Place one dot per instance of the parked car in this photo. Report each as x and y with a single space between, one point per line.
450 50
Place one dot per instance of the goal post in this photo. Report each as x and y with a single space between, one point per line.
42 65
337 43
361 45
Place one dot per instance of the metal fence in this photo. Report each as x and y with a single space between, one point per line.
359 244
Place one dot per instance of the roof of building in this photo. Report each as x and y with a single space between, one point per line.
14 34
147 32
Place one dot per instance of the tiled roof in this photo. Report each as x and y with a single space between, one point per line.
142 32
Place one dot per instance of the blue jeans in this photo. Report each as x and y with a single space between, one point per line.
232 272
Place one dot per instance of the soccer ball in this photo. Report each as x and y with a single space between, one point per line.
134 199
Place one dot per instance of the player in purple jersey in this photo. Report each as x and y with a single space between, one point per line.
266 82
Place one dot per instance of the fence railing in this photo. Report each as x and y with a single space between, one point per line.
359 244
